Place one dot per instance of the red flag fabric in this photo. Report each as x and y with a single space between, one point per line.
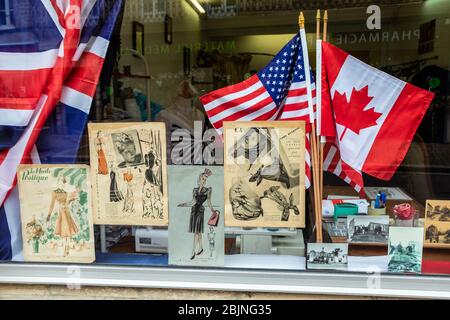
369 117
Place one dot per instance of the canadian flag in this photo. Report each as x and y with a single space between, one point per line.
368 117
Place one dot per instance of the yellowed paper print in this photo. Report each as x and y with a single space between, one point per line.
129 173
265 174
437 223
56 213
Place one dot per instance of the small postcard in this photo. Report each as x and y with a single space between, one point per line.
405 249
327 256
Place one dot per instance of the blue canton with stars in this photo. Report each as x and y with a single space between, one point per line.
285 68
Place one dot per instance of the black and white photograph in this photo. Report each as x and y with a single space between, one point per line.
437 223
368 229
437 233
405 249
438 210
332 256
128 149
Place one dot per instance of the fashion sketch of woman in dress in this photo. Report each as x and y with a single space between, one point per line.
150 162
102 165
128 205
152 192
65 226
200 195
114 193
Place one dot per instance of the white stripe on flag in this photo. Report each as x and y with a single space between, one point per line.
297 99
232 96
18 61
243 106
337 171
62 5
15 117
295 113
76 99
319 85
308 158
99 46
300 85
12 211
329 157
86 10
80 50
96 45
258 112
306 67
13 158
51 11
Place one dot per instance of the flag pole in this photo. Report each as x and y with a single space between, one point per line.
318 137
321 142
318 97
314 150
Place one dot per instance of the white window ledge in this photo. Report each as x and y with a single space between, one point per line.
306 282
7 27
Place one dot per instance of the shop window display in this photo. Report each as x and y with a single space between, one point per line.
317 142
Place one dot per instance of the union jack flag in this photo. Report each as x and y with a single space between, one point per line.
51 58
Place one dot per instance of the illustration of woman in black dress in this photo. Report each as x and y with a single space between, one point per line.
114 193
200 195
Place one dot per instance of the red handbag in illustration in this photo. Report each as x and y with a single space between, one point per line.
214 219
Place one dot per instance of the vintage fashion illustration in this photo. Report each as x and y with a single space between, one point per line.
196 228
115 195
135 191
102 165
128 205
264 174
57 224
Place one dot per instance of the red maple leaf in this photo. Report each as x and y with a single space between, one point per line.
351 114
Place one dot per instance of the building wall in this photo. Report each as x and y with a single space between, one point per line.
396 42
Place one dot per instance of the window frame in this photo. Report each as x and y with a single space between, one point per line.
229 279
8 11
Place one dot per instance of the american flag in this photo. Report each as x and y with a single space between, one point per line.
333 163
49 67
277 92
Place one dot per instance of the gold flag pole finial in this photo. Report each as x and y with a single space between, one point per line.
318 17
301 20
325 24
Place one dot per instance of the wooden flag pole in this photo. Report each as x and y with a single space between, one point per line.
318 17
315 164
321 144
319 149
